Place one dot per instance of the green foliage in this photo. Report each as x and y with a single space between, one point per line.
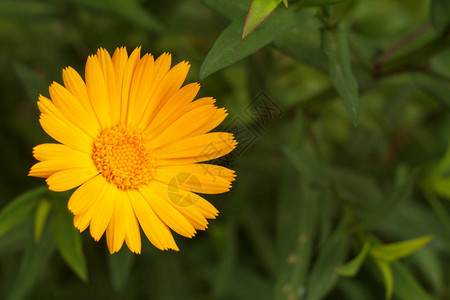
321 208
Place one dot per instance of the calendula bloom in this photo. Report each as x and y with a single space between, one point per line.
134 142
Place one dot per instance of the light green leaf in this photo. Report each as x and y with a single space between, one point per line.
351 268
285 2
258 12
20 209
120 264
388 279
440 14
306 3
42 212
229 48
68 238
332 254
339 67
394 251
33 263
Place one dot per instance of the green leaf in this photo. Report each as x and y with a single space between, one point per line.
129 10
440 14
258 12
306 3
388 279
33 263
439 90
32 82
339 67
27 10
406 287
322 277
20 209
351 268
42 212
120 264
68 238
229 48
297 225
394 251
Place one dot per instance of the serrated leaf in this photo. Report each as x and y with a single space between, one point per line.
120 264
33 263
388 279
259 10
67 238
306 3
229 48
335 45
394 251
42 212
20 209
351 268
440 14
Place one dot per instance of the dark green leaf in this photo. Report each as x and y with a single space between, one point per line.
129 10
439 90
20 209
32 82
339 66
120 264
406 287
33 263
229 48
258 12
68 238
351 268
332 254
320 2
440 14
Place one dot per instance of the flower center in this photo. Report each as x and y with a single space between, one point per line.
124 157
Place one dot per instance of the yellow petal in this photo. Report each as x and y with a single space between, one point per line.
86 195
97 91
133 234
206 209
194 217
198 178
103 212
46 168
73 110
169 215
172 106
76 86
109 77
115 233
164 89
51 151
155 230
59 128
119 60
126 82
141 89
197 149
70 178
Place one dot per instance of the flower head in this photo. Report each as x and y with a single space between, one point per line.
133 141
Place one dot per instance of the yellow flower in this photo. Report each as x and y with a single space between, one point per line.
133 140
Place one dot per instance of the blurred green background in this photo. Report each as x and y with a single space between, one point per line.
320 181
